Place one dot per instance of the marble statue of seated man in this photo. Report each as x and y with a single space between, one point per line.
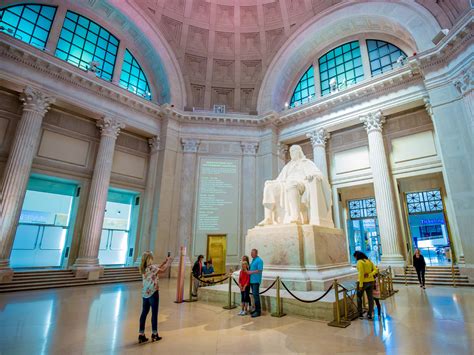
300 194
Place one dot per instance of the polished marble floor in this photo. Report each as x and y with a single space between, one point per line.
104 320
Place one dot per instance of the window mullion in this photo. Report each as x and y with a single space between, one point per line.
56 28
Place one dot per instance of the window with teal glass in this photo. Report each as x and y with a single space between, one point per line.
29 23
344 64
87 45
304 91
133 78
383 56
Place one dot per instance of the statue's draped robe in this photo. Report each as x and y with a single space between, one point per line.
294 175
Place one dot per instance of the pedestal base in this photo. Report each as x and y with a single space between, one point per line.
88 268
306 257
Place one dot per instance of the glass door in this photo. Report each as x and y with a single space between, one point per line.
363 229
118 231
44 231
428 229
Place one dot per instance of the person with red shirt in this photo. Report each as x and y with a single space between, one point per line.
244 284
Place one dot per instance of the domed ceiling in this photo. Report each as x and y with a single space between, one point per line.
225 46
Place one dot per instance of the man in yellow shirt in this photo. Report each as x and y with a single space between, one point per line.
365 282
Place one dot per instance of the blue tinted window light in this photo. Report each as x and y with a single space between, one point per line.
29 23
383 56
304 90
87 45
344 64
133 78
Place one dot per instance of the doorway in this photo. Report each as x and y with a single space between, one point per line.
428 227
217 252
45 228
363 229
119 229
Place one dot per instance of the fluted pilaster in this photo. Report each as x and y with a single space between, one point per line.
147 209
384 197
318 139
18 167
282 154
249 186
186 200
95 210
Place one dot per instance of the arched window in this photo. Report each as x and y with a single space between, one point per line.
383 56
87 45
29 23
304 91
133 78
344 64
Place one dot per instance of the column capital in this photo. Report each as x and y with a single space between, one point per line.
154 144
110 126
190 145
318 137
36 100
373 121
464 82
428 106
249 148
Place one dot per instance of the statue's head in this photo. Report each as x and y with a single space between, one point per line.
296 153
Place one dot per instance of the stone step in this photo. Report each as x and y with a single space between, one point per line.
434 283
67 284
432 276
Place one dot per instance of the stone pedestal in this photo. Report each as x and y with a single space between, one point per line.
306 257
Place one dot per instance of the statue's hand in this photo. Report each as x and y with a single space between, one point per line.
310 178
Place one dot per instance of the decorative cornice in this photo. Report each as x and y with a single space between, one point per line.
154 144
373 121
36 100
428 106
190 145
45 63
318 137
464 82
249 148
110 127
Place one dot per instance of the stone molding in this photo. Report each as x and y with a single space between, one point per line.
318 137
110 127
457 40
373 121
464 82
154 144
428 106
249 148
36 100
190 145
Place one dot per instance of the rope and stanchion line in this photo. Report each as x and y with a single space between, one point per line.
307 301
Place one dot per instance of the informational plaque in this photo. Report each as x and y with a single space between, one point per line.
217 208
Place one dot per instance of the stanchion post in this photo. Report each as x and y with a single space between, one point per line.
338 322
230 304
191 298
180 281
279 306
344 300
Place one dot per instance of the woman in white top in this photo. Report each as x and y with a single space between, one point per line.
150 294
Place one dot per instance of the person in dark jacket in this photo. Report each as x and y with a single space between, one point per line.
419 265
197 272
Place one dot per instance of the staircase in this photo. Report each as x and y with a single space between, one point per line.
44 279
434 275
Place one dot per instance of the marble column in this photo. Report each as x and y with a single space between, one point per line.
318 140
147 208
384 197
187 195
249 187
17 171
87 262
